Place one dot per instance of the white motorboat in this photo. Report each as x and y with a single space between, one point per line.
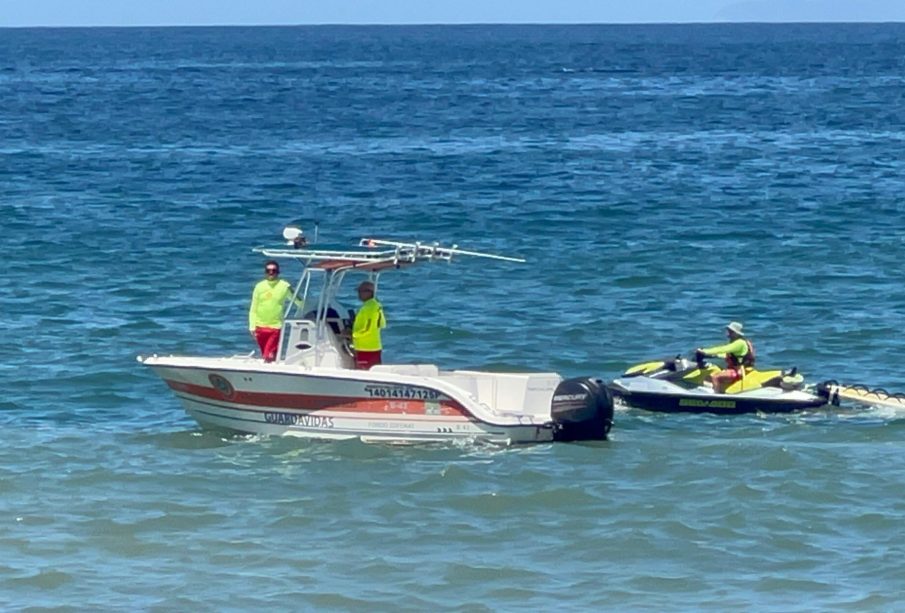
313 390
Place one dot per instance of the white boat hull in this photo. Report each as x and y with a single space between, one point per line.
249 396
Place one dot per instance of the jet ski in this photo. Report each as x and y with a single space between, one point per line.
682 385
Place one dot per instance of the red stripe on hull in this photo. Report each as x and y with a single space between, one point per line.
309 402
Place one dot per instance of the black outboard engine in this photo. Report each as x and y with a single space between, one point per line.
582 410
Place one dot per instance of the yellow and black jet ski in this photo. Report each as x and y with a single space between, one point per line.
681 385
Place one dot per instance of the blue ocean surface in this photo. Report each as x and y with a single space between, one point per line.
660 181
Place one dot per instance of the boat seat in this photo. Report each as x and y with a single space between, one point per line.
331 317
412 370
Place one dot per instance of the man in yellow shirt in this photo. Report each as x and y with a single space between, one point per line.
366 328
738 353
265 316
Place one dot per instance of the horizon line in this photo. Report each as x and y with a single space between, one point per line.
441 24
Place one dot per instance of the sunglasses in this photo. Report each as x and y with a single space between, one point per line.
272 271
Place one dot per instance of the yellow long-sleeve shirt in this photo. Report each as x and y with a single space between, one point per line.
267 303
738 348
366 329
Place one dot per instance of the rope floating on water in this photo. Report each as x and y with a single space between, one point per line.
858 392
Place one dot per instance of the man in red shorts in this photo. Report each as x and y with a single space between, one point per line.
738 353
265 316
366 329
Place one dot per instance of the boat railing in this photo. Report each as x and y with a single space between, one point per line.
432 251
381 252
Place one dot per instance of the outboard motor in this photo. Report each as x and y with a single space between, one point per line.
582 410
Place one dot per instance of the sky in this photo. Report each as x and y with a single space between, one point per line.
19 13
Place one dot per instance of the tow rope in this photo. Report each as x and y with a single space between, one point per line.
836 391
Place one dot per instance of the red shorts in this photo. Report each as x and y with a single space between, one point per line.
730 374
364 360
269 341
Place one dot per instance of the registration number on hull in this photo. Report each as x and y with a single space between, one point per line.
401 391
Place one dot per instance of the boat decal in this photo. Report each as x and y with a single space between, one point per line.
234 409
388 427
357 431
222 385
294 419
706 404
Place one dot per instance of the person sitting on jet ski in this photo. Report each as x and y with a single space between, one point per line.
739 354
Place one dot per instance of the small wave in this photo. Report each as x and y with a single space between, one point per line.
42 580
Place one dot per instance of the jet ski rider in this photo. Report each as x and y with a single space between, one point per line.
739 355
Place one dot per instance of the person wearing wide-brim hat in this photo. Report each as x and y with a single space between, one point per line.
738 353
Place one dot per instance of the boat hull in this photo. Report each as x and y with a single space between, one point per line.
664 400
249 396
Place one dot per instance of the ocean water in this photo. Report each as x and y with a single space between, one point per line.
660 180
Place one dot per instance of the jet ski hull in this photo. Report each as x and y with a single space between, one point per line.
657 395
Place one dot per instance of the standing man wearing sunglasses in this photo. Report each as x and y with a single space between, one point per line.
265 317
